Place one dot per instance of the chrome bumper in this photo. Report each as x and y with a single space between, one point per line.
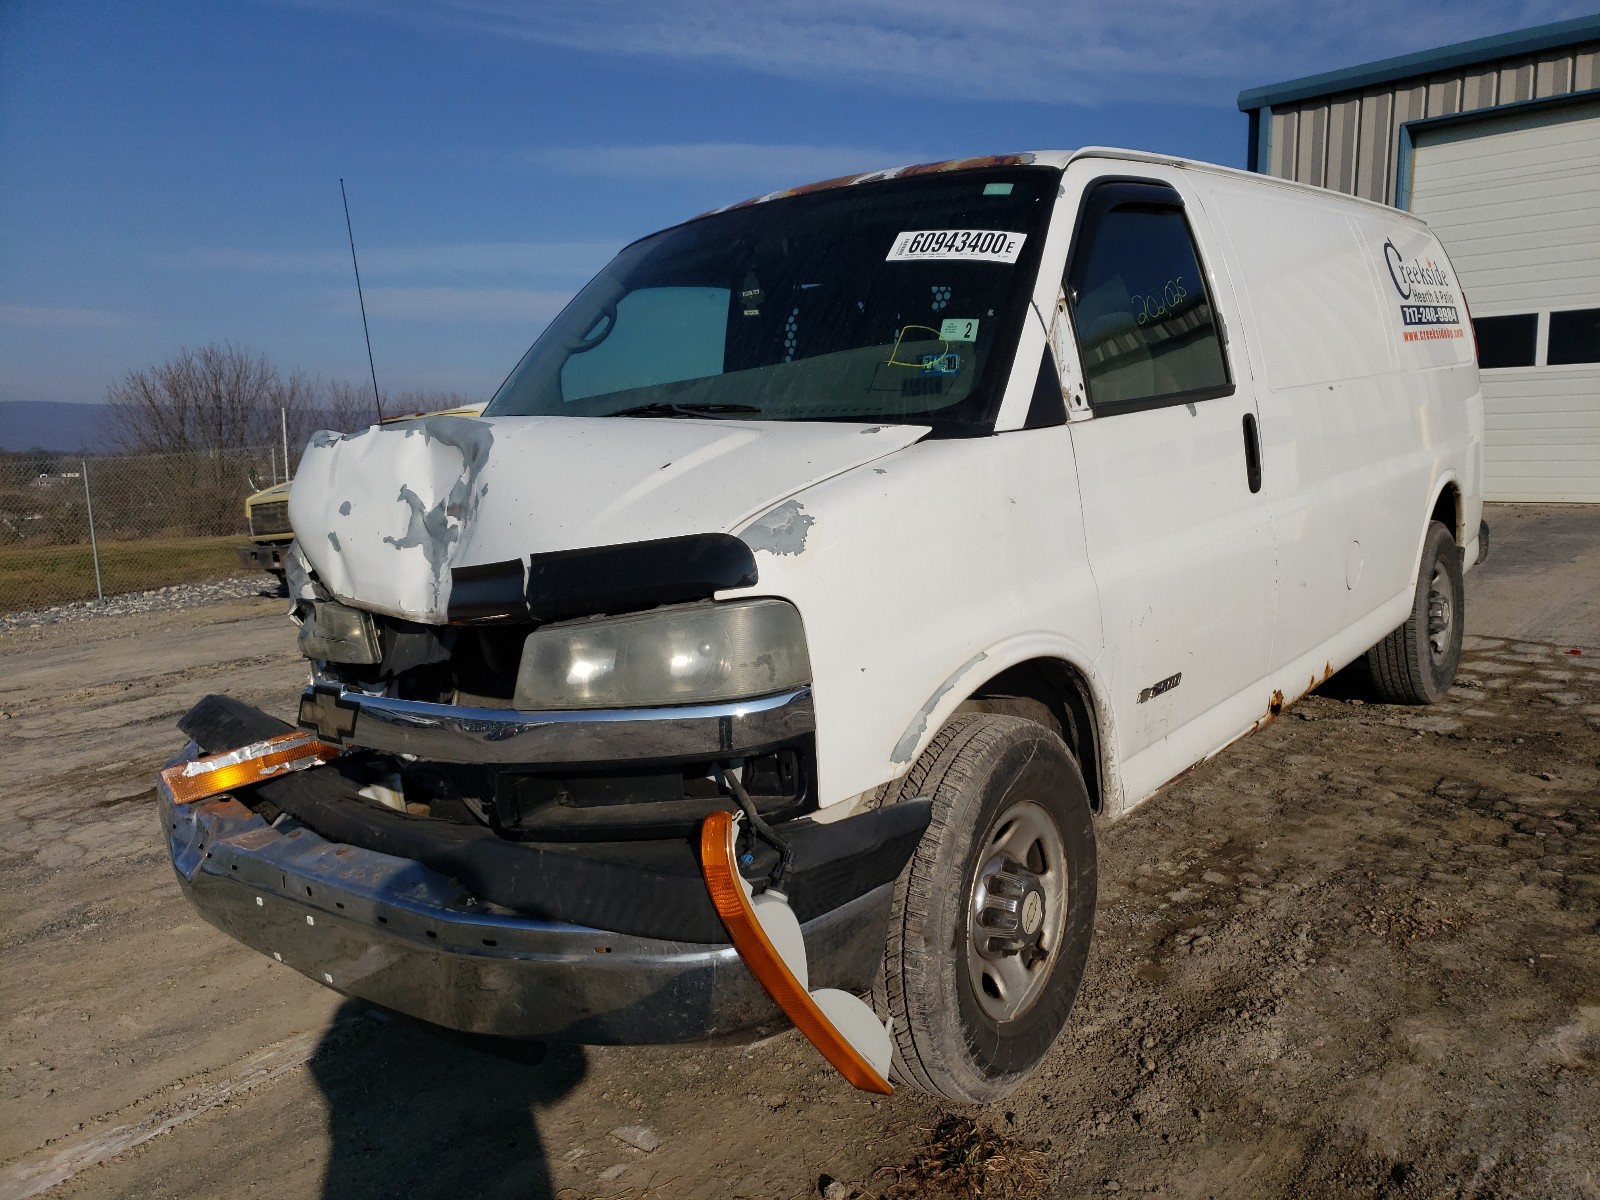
390 931
452 733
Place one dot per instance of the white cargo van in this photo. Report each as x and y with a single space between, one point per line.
880 538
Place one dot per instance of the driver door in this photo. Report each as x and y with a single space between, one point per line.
1177 530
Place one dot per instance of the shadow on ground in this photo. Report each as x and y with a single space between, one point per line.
415 1114
1352 683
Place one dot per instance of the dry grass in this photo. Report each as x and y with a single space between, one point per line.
966 1159
36 576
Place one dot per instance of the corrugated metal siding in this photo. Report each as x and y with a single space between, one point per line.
1285 127
1444 95
1344 119
1585 71
1480 89
1516 83
1312 150
1349 141
1374 165
1553 77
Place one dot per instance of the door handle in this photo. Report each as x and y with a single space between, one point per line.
1252 452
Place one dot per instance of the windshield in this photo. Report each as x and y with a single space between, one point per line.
899 301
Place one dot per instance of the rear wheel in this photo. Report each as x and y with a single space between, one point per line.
1416 664
993 915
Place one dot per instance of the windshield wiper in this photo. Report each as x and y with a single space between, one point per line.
684 410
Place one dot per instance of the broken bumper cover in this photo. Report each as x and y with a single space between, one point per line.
459 734
396 933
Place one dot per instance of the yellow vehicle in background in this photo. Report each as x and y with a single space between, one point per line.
267 512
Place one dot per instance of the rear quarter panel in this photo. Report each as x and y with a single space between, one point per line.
1363 423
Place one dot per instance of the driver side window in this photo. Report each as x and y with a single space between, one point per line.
1145 327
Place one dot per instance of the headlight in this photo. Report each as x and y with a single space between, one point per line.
337 633
691 655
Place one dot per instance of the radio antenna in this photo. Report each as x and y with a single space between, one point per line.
360 299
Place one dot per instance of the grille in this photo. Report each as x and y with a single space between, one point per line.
270 518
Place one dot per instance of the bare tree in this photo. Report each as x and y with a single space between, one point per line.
220 397
347 407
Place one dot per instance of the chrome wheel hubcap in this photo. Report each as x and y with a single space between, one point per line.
1441 612
1017 910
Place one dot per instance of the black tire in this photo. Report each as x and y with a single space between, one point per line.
1416 664
979 768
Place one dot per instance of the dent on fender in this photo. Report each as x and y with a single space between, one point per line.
437 528
430 512
428 528
912 737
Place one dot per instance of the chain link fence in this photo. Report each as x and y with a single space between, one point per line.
84 528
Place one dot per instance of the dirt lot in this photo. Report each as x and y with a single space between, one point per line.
1357 954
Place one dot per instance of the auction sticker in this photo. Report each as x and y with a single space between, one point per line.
956 245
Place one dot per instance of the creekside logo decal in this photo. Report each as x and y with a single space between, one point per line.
1427 294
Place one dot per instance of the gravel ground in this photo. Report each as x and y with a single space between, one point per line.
179 596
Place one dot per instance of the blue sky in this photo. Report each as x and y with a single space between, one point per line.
169 172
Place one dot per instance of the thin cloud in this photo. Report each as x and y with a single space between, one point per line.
702 161
519 306
27 316
481 259
266 262
1196 51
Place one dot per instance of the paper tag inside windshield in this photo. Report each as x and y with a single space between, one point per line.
956 245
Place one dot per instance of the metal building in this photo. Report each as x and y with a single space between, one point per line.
1496 143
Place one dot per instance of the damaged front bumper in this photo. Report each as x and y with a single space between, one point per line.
392 931
462 734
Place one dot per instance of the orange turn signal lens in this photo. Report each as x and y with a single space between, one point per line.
718 864
218 773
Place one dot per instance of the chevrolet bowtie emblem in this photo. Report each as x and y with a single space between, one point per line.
323 709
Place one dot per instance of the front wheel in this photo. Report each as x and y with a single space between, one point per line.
992 917
1416 664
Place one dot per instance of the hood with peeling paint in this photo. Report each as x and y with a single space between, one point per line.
383 515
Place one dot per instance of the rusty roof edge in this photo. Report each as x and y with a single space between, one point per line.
1060 159
907 171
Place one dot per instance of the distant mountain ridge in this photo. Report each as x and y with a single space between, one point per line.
55 425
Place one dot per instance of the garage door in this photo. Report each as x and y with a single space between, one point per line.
1516 201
